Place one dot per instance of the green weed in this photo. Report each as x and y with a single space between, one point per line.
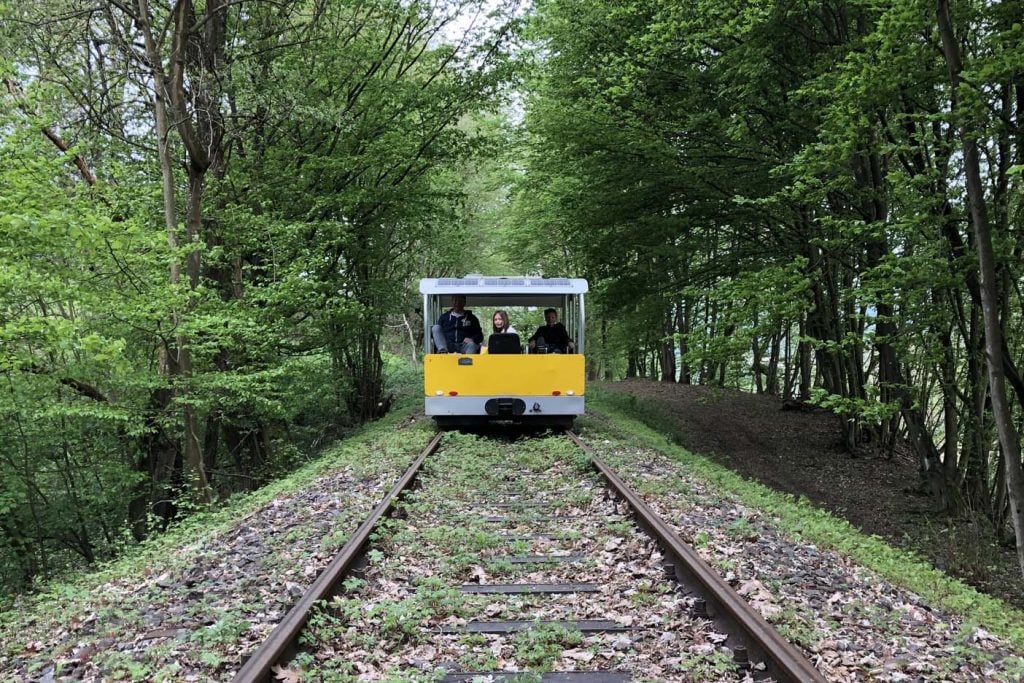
541 646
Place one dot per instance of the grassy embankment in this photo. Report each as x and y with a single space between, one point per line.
799 518
363 451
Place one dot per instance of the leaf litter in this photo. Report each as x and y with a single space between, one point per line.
197 612
195 616
853 624
451 538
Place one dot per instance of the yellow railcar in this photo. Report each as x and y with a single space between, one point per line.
510 384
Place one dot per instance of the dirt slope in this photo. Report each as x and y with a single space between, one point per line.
801 453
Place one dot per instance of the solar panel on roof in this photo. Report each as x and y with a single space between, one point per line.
478 285
504 281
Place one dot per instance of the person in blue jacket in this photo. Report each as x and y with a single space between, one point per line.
457 330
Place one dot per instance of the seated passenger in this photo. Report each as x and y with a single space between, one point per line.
501 324
504 339
552 337
457 330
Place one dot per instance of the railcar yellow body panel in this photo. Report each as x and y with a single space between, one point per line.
505 387
503 375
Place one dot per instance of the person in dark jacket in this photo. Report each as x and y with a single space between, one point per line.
552 337
457 330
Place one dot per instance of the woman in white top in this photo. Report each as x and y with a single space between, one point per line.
501 324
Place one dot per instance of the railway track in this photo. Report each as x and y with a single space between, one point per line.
479 566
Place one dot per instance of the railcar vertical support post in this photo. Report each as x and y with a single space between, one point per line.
582 325
428 321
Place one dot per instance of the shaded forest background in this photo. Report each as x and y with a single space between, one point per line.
213 214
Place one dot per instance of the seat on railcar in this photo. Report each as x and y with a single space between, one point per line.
504 343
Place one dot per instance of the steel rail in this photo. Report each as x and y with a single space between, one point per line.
281 643
784 661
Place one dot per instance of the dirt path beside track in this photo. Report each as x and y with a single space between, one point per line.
801 453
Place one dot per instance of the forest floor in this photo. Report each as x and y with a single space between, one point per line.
801 453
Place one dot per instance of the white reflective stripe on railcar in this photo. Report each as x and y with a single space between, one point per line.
474 405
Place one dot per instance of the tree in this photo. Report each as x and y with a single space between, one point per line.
246 190
786 181
1009 439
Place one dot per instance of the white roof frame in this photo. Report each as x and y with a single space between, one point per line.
479 284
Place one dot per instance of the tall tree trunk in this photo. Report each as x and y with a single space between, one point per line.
723 366
708 367
789 372
804 355
772 379
950 419
683 328
668 361
1009 439
974 470
668 348
756 366
822 325
179 358
893 385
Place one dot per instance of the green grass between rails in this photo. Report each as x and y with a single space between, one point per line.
799 518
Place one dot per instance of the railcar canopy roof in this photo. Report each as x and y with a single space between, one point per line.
483 290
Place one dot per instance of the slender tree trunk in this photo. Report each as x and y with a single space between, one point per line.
950 419
893 385
789 372
724 364
707 370
683 327
668 361
974 472
179 357
772 379
1009 439
756 366
804 354
414 348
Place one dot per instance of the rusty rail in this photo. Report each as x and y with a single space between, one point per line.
280 645
784 661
